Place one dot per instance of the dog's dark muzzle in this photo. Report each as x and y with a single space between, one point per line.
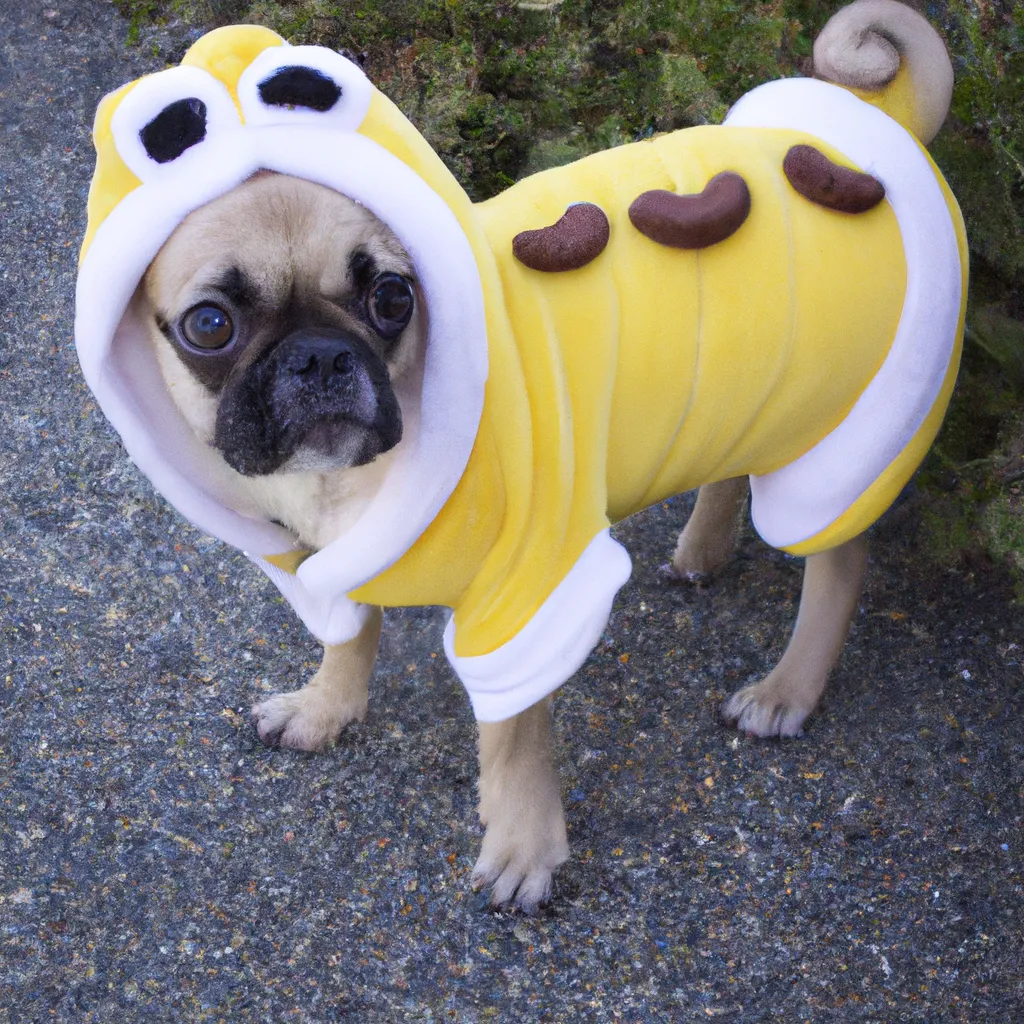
332 373
320 394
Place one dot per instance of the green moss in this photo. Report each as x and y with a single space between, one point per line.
973 476
971 524
951 529
1002 338
687 97
1003 523
981 151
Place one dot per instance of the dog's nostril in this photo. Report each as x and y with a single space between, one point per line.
318 359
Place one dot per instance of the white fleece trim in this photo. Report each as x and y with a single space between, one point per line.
429 461
553 644
801 499
332 620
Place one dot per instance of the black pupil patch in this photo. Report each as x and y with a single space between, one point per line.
177 127
300 87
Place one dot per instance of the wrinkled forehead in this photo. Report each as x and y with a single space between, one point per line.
280 234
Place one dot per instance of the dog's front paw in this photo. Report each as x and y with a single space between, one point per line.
521 807
518 858
525 841
768 709
307 719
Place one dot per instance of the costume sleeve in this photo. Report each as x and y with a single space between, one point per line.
553 644
332 620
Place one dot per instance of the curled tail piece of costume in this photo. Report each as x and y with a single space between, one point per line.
890 56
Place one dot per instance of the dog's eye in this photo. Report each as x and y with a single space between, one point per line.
207 327
390 304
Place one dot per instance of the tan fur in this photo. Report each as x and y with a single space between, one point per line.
287 234
708 540
779 704
312 718
521 805
291 235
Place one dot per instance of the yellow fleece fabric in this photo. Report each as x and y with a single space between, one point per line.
651 370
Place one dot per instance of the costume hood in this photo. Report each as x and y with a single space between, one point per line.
241 101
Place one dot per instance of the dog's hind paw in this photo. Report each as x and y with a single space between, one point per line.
668 573
304 720
764 711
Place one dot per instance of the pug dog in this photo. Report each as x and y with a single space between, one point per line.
287 326
322 352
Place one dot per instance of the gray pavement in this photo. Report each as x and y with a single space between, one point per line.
157 863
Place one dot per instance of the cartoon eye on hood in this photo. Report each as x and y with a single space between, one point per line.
242 101
304 85
168 118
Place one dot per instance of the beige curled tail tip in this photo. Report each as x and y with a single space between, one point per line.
893 58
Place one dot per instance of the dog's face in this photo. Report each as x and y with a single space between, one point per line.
288 327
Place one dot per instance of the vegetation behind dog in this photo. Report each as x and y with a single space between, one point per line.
503 89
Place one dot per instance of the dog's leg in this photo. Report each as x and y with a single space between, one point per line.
313 717
709 538
521 807
778 705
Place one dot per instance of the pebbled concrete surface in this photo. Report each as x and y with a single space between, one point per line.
157 863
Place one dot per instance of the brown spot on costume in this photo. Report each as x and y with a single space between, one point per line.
694 221
578 237
828 184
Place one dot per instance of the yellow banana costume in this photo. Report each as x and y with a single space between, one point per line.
812 349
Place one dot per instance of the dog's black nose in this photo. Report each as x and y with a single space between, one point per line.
316 355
